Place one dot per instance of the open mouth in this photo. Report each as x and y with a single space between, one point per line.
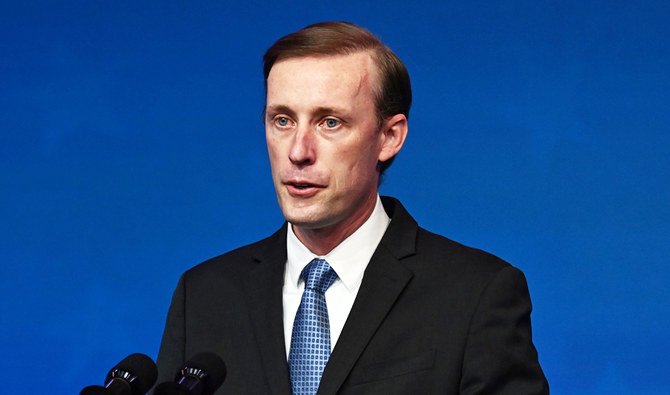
303 189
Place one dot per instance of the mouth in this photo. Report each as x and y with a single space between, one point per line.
302 189
301 185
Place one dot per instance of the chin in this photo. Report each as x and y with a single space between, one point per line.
306 218
304 221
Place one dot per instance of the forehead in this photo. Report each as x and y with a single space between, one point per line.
322 78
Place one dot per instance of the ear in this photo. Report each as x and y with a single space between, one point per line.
393 134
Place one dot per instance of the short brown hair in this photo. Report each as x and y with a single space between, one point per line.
394 96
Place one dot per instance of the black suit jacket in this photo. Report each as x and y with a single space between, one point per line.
431 317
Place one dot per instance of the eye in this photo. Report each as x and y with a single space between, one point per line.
282 121
331 123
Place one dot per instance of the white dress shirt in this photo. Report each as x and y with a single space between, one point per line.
349 260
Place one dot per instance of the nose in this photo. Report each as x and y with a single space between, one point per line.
303 147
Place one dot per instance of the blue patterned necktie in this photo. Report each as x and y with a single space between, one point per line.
310 341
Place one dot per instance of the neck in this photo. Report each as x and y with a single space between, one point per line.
323 240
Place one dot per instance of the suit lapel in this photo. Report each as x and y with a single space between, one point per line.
384 280
263 286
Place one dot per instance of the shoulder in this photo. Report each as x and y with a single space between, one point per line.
434 256
236 263
469 270
455 255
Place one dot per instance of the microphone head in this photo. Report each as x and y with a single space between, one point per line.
138 370
207 368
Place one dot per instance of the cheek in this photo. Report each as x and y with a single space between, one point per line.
275 167
274 151
359 156
355 171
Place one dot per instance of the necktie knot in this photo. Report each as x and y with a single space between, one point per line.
318 275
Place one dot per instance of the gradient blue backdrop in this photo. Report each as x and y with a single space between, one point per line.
131 148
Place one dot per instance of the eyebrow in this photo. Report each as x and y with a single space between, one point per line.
318 111
279 109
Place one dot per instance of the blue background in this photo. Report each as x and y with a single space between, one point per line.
132 148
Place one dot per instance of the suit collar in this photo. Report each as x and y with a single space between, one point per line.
263 286
400 237
384 280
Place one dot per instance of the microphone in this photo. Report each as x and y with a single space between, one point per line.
201 375
134 375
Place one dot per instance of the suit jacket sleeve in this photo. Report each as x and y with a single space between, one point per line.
499 356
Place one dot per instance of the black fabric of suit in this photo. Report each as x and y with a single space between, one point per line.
431 317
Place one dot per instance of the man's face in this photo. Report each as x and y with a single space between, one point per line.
323 139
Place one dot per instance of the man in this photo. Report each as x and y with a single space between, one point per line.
394 308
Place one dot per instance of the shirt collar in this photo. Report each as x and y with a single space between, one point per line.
349 259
